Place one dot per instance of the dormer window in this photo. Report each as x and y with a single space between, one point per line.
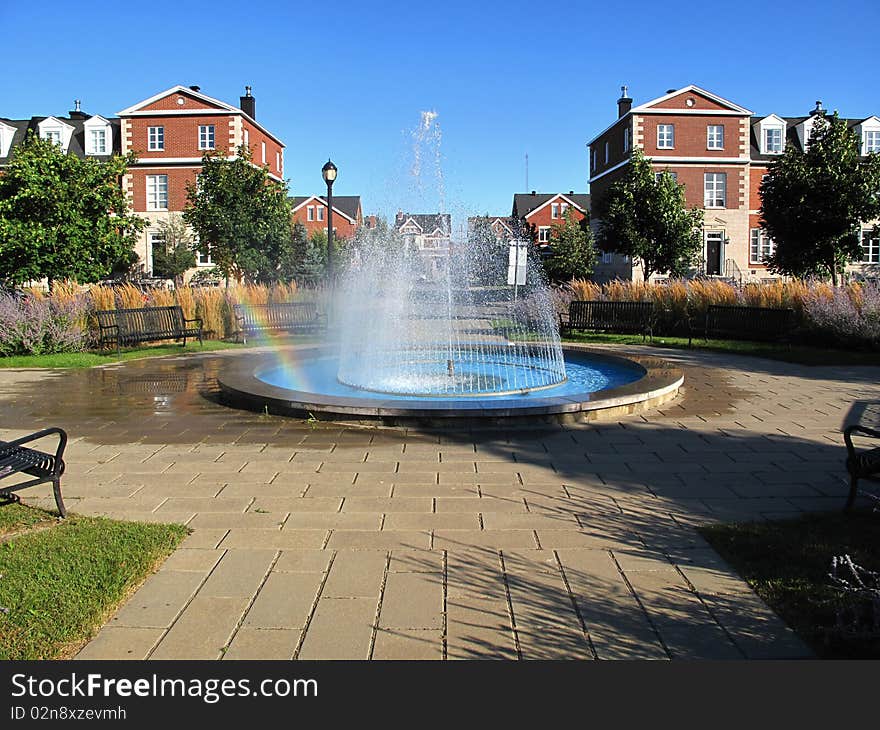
772 140
871 142
53 136
97 142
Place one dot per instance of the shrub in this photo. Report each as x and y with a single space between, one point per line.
42 325
849 315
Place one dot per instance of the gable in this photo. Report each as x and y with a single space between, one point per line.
181 100
692 99
558 198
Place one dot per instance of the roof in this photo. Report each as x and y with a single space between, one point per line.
77 144
791 135
526 203
348 205
427 222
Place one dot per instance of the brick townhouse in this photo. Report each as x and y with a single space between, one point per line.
311 211
719 151
429 234
170 132
502 226
537 213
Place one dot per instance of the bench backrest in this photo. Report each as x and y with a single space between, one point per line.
276 316
589 314
150 321
753 321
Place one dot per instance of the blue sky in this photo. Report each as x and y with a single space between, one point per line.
350 79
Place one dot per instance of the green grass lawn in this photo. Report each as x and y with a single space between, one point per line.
90 359
799 354
787 563
61 579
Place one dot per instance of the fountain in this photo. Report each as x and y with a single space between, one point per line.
430 325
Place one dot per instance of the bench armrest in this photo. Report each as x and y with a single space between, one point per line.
108 326
194 319
62 439
850 430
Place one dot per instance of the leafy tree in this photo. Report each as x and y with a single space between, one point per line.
487 255
177 256
295 253
63 217
313 266
647 218
812 203
241 215
572 250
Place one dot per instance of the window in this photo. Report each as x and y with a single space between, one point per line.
310 212
206 137
665 136
715 190
715 137
870 248
278 161
156 245
593 160
203 258
872 142
607 152
762 246
562 208
97 141
626 139
247 139
320 210
773 140
554 210
155 139
157 192
544 234
607 257
54 136
264 153
673 175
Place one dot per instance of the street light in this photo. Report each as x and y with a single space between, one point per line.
328 172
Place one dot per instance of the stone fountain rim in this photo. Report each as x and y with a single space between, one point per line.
241 388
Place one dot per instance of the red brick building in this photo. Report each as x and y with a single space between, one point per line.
720 152
170 132
536 213
311 211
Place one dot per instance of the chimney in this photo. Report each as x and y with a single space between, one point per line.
818 110
624 103
398 219
533 192
571 192
196 88
248 104
76 113
671 91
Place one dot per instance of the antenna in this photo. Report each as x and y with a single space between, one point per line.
527 170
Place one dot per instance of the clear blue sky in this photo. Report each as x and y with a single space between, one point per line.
349 79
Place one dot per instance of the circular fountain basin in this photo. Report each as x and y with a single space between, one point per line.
599 385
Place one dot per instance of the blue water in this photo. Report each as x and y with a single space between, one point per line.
318 376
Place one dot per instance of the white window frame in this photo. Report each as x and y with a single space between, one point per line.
607 257
715 137
53 135
264 152
593 158
871 251
626 139
544 234
672 173
247 139
278 161
157 192
765 140
93 147
207 137
154 238
871 142
554 210
156 139
761 246
204 259
310 212
562 208
713 182
665 136
319 210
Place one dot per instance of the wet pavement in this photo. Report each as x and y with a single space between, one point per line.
316 540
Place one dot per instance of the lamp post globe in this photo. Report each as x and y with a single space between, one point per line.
328 172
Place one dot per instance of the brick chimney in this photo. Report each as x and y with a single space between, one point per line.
248 104
624 103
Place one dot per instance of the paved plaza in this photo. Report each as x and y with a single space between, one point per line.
319 541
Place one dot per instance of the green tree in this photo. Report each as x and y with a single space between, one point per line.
573 252
177 254
241 216
295 253
63 217
646 217
812 203
313 266
487 254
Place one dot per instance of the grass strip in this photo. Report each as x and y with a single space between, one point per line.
787 562
60 584
105 357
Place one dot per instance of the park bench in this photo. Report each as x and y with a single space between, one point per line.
145 324
302 317
863 463
750 323
43 466
607 316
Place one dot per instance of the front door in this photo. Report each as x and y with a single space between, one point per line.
714 252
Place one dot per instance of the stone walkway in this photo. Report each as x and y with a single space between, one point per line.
320 541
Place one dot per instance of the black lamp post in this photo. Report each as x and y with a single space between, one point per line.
328 172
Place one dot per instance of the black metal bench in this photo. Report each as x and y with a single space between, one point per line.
15 458
608 316
862 463
751 323
301 317
146 324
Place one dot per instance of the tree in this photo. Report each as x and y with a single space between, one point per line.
177 255
241 216
647 218
572 250
63 217
812 202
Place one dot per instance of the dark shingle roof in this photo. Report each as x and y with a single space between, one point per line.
348 204
77 140
791 135
428 222
525 203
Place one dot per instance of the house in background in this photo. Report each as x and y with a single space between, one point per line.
536 213
719 151
170 132
427 234
311 211
504 227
